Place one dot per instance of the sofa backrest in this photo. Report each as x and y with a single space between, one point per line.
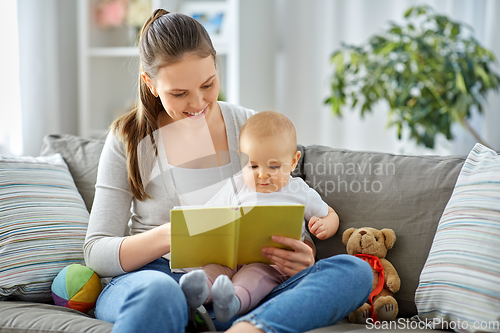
404 193
368 189
82 157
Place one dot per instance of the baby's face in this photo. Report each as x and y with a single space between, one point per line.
267 163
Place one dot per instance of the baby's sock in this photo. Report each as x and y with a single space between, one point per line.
226 303
195 288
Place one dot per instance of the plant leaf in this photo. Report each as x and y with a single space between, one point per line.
408 12
460 82
480 72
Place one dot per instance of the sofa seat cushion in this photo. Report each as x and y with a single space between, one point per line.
380 190
44 318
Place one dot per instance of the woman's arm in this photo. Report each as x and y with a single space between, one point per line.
110 212
107 250
138 250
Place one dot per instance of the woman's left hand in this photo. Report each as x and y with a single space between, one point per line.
290 261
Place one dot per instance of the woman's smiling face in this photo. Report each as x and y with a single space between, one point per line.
188 88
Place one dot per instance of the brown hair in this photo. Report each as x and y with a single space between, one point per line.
165 39
269 123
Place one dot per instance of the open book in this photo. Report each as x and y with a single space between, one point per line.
229 236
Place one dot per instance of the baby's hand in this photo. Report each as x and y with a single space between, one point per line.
318 227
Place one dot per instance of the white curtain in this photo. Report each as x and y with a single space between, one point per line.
38 71
10 109
44 73
310 31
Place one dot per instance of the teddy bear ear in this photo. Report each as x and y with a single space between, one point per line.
347 234
390 238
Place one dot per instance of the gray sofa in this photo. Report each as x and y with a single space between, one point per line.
405 193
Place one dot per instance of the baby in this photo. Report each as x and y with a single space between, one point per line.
268 150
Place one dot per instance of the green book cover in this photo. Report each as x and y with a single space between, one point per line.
229 236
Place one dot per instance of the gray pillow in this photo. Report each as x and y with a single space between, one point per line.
82 157
404 193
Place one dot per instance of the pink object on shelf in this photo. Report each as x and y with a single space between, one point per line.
111 13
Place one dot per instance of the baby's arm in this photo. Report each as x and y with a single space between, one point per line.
325 227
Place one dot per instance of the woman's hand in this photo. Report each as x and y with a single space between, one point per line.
290 261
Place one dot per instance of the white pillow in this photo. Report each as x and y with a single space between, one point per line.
460 282
43 221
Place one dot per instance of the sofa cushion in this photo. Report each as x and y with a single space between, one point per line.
44 318
82 157
400 325
460 281
405 193
42 228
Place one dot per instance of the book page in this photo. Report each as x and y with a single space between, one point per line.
259 223
216 244
209 218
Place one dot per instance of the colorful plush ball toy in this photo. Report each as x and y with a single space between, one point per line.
76 287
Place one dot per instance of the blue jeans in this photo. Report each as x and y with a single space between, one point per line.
150 299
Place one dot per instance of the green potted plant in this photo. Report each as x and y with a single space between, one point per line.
431 71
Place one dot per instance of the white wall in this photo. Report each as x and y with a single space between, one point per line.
256 52
492 41
309 32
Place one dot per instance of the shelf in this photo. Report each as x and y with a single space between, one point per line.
113 52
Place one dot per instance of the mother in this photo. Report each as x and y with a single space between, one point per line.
176 148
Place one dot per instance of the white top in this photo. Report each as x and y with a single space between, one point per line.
114 202
296 191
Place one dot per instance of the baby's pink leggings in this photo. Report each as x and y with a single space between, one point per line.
251 282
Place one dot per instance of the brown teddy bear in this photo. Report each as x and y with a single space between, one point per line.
371 245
